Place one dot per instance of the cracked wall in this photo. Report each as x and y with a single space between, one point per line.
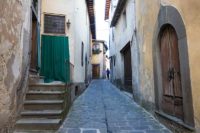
14 22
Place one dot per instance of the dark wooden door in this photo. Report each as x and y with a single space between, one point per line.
34 51
172 100
95 71
127 67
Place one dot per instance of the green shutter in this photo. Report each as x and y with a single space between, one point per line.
55 58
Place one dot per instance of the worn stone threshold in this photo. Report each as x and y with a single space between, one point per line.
54 83
176 120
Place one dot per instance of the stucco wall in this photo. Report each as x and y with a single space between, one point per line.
147 16
78 32
143 40
63 7
82 34
14 50
119 41
146 20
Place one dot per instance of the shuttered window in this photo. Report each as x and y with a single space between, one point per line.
54 24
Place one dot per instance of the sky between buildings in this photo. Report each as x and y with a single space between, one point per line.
102 27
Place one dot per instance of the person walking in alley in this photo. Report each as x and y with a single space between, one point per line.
108 73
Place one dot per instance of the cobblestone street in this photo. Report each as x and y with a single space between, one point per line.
103 108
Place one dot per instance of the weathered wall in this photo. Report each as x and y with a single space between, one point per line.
143 41
79 31
119 41
14 47
146 22
147 15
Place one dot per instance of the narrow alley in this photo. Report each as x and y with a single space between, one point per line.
99 66
103 108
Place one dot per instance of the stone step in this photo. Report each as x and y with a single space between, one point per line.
37 124
34 131
35 79
42 114
44 95
43 104
55 86
46 92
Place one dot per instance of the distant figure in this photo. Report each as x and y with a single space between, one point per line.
108 73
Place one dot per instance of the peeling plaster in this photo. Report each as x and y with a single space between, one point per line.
13 21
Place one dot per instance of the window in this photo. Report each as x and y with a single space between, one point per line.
82 54
96 48
54 24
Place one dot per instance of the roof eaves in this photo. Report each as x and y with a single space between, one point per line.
107 9
91 12
117 13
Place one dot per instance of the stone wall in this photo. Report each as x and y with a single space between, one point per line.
14 51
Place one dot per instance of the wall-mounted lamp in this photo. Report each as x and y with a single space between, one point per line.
68 23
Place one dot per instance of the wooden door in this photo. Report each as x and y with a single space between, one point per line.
172 100
34 50
95 71
55 63
127 67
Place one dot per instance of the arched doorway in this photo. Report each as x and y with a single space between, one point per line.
172 98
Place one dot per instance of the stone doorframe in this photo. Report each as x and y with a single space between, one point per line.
169 15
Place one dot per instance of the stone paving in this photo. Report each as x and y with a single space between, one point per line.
103 108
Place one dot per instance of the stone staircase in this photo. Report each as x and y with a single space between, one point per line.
44 108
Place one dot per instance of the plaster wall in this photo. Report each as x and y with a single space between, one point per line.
78 32
118 40
141 31
82 31
63 7
146 23
15 34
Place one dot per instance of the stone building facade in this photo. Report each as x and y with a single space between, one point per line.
145 26
15 36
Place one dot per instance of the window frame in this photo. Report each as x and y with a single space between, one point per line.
52 14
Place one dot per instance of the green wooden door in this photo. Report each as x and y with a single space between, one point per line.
55 58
